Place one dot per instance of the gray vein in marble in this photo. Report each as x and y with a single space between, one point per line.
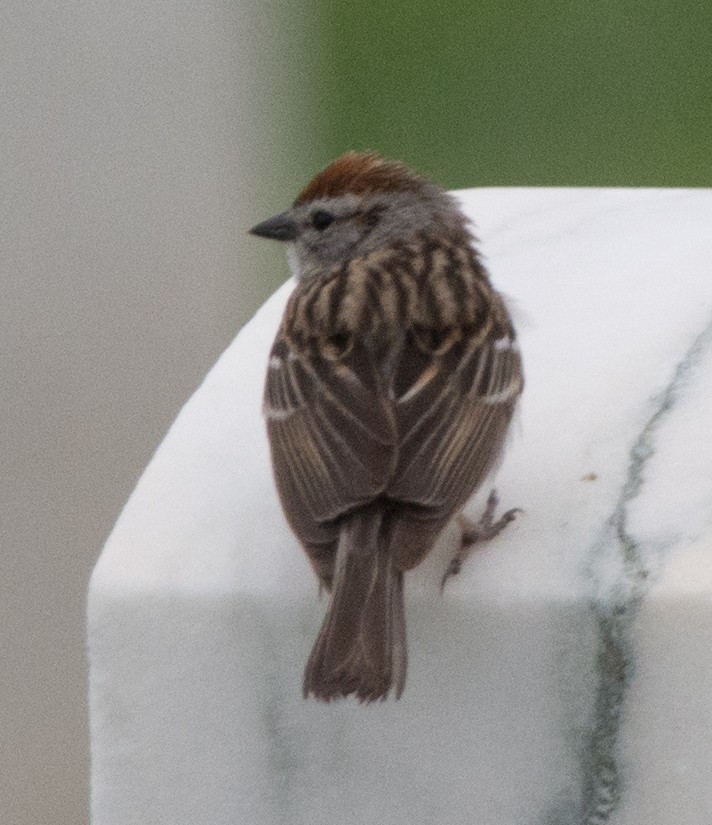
616 608
282 758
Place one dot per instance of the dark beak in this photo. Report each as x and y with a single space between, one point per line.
279 228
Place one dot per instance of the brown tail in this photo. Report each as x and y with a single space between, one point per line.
361 647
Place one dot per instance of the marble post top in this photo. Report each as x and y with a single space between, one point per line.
564 676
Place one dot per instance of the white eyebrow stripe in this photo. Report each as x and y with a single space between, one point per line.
505 343
275 362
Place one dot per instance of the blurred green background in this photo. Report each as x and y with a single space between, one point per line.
607 93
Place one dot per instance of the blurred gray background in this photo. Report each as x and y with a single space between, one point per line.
139 142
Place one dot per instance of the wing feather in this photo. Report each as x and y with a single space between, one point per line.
332 435
452 430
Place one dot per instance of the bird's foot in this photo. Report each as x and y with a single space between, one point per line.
477 532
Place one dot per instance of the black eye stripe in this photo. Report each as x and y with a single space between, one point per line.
321 219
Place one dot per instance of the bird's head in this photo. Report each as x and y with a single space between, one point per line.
356 205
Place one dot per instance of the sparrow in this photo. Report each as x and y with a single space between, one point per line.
391 385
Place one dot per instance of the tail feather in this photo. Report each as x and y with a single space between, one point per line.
361 647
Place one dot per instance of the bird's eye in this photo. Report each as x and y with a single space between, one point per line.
321 219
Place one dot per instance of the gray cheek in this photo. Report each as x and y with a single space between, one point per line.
334 247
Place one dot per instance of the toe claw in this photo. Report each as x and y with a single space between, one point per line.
510 515
477 532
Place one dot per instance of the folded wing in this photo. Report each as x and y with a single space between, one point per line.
332 433
452 413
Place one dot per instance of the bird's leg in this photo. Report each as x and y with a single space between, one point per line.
477 532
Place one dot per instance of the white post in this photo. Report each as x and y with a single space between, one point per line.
563 677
